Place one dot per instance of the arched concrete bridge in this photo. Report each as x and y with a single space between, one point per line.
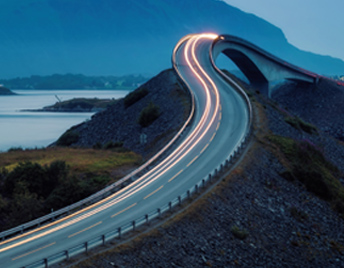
260 67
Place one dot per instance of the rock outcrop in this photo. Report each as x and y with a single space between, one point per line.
5 91
119 122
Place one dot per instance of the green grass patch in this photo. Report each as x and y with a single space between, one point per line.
299 124
80 160
306 163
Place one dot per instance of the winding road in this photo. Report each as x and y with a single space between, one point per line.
220 122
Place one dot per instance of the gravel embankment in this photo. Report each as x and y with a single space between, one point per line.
283 224
120 124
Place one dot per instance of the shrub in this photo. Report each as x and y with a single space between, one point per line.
135 96
68 138
307 163
112 145
97 145
239 233
33 178
149 114
15 149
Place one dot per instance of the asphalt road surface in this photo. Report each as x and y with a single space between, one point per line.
220 122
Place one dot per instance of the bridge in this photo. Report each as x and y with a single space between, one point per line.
216 131
260 67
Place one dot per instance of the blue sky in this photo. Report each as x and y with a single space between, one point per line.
311 25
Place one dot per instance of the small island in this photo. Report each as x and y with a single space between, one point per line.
80 105
4 91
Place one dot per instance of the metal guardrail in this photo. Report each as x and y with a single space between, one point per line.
145 219
118 232
104 192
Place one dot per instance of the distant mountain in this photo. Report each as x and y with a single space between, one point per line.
106 37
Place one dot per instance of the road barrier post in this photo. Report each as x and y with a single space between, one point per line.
159 212
134 225
86 247
179 200
67 255
119 232
188 194
146 216
103 240
170 205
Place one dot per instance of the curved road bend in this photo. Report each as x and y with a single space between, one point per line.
220 123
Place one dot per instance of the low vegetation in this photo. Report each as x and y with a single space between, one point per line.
299 124
68 138
135 96
306 163
33 182
238 232
149 114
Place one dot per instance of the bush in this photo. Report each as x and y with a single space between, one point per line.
15 149
307 163
112 145
149 114
68 138
239 233
33 178
135 96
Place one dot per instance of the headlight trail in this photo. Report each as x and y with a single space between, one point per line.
202 128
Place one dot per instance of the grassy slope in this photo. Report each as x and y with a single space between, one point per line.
87 171
79 160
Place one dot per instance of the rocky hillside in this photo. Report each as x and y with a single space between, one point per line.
282 206
124 122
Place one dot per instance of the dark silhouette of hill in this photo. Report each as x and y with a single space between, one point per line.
5 91
126 36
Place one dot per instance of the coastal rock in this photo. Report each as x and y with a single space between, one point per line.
5 91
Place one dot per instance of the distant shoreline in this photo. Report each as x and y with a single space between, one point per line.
74 82
76 105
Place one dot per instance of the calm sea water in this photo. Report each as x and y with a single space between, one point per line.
39 129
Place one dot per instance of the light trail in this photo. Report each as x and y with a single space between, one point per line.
182 150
